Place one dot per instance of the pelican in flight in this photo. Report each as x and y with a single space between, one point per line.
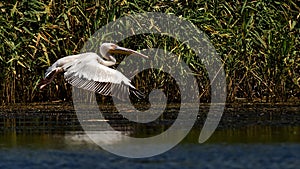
91 72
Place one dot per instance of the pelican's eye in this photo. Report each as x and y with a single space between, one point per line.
113 46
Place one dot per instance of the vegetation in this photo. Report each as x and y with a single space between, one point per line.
259 42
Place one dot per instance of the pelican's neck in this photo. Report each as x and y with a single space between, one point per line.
112 61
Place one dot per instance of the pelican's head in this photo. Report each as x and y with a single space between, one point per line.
110 48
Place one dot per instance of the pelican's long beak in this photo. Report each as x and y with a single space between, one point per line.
121 50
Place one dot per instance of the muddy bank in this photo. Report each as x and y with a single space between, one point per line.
60 117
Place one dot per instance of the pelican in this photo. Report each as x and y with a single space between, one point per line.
91 72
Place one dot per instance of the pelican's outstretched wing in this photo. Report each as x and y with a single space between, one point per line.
87 73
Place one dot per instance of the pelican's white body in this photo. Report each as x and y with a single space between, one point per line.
89 71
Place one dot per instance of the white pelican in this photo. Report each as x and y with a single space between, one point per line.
89 71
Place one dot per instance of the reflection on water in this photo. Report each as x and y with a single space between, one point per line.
247 139
251 134
258 134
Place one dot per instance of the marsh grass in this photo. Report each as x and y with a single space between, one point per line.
258 42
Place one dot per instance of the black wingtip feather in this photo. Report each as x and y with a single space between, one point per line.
137 93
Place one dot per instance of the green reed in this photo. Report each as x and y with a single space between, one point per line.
258 42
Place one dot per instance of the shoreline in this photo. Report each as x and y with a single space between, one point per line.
61 116
69 105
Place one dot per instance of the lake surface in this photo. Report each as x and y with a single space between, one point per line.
239 148
252 156
54 139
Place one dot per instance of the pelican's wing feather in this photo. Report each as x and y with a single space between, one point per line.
89 74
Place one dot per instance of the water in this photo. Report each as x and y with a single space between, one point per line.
273 156
223 150
243 140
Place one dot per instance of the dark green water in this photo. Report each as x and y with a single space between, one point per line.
78 139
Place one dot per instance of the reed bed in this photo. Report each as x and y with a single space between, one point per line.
258 42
